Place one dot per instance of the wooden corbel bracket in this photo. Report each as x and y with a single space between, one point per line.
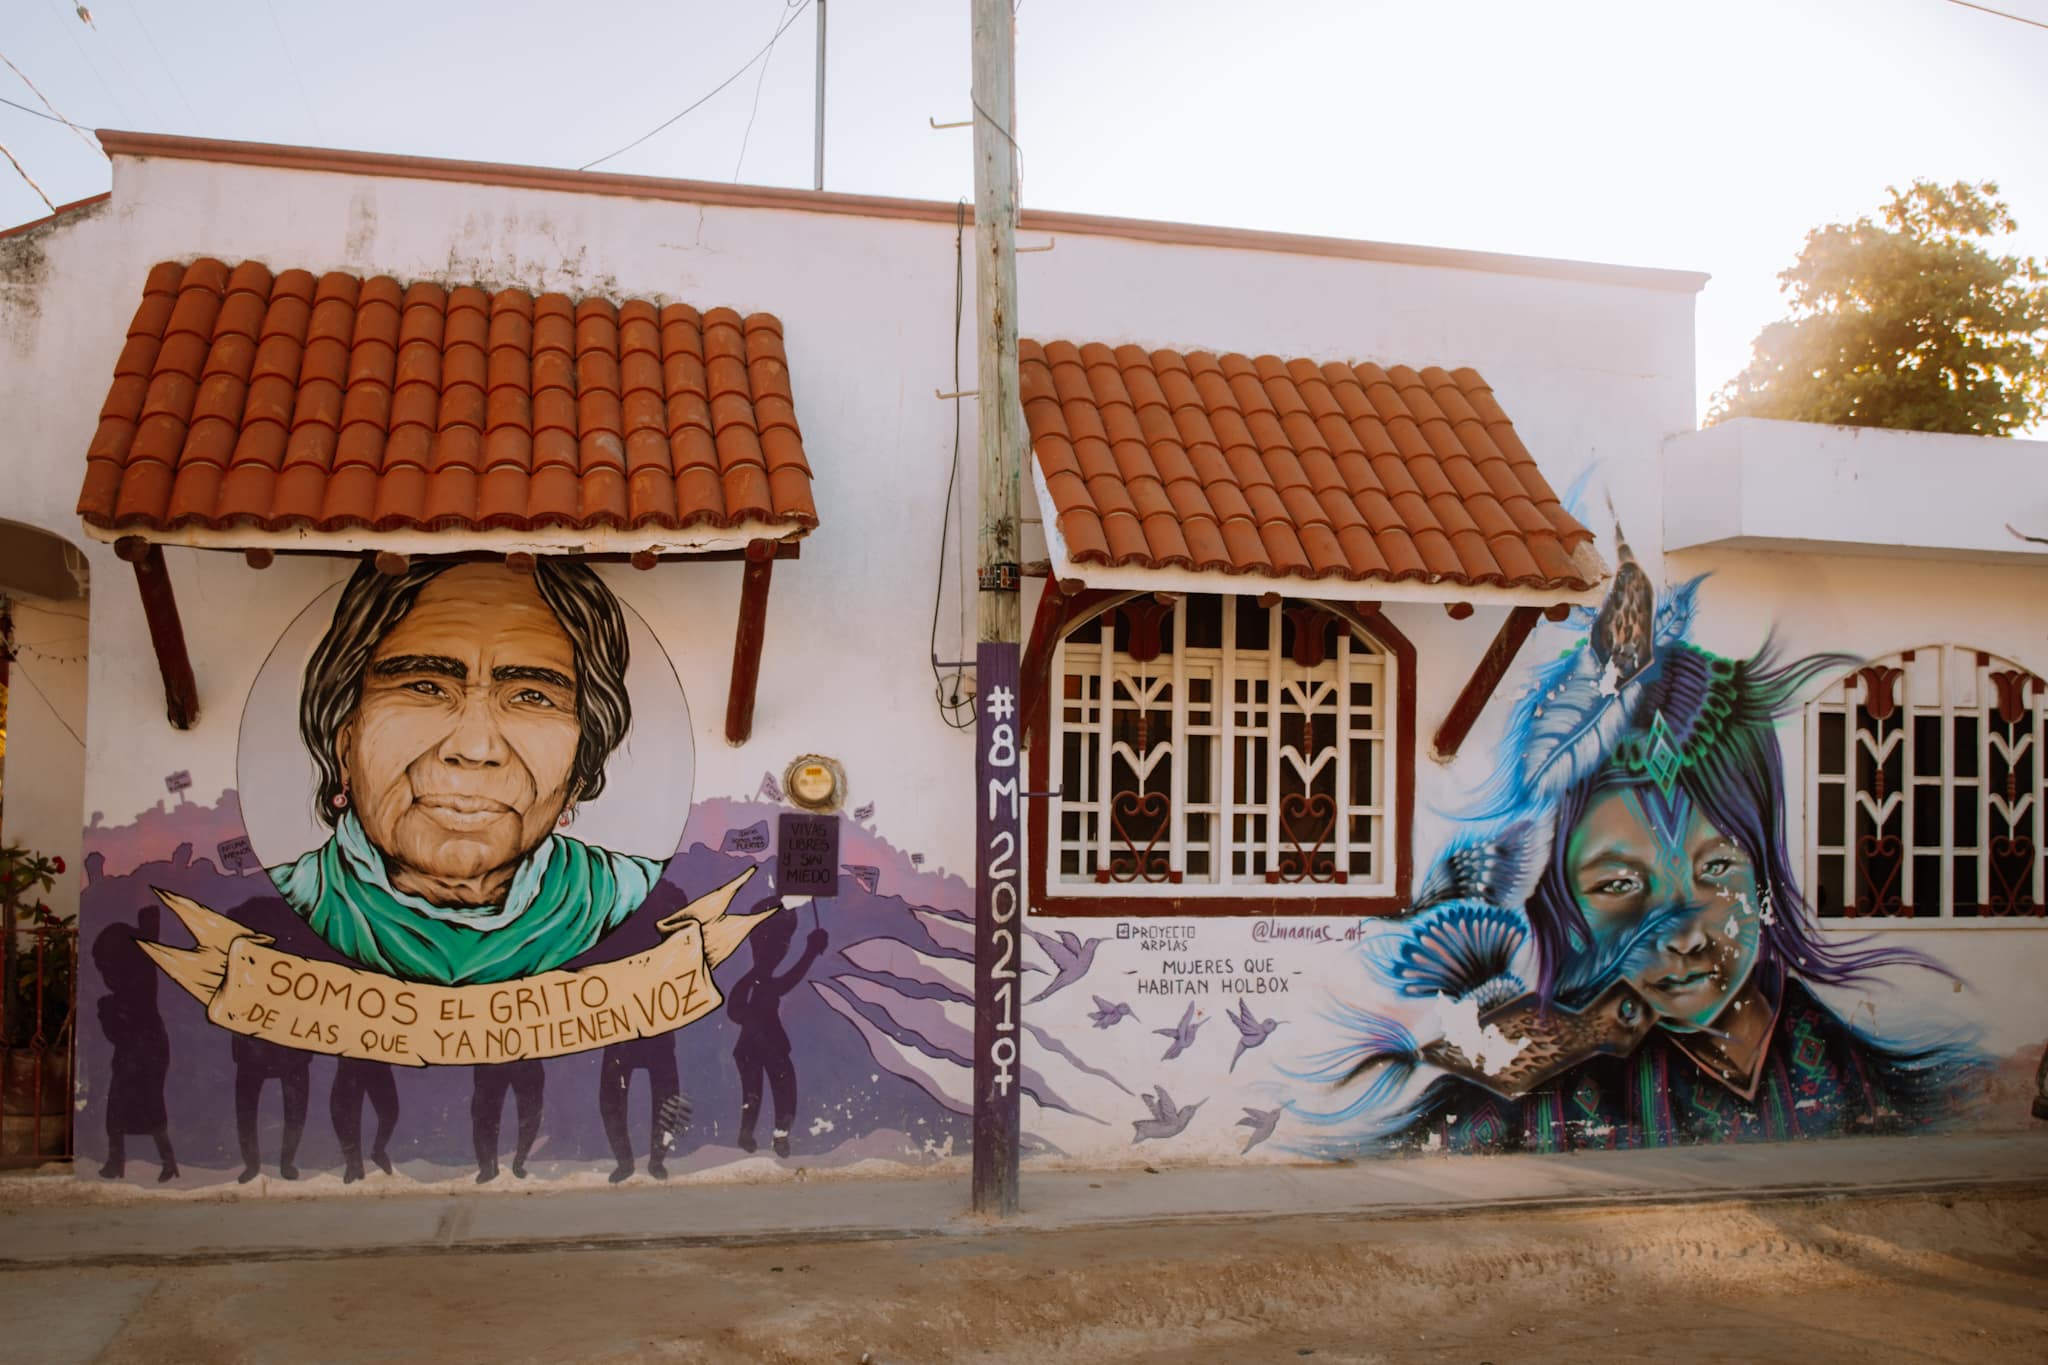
166 632
747 640
1486 676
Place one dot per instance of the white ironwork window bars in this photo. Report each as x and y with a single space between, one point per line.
1924 790
1221 766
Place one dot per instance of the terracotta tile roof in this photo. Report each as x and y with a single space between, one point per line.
1292 469
252 400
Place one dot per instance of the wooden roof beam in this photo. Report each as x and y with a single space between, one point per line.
1492 667
747 641
166 632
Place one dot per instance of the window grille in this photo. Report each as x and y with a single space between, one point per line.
1924 789
1214 747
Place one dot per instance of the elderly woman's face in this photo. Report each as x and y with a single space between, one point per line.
458 756
1674 898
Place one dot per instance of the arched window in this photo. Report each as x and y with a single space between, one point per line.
1209 751
1924 789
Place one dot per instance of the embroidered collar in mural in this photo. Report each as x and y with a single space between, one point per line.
564 897
366 864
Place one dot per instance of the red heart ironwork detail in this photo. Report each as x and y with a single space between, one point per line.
1143 865
2010 892
1884 900
1308 862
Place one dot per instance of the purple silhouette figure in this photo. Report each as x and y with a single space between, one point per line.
1071 956
1262 1122
1168 1119
256 1061
1250 1032
657 1057
132 1023
356 1080
1182 1033
1105 1014
755 1006
527 1082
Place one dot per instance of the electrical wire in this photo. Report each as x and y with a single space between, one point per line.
128 78
292 65
2016 18
755 110
114 102
23 173
705 98
169 70
55 113
995 124
37 688
955 710
48 118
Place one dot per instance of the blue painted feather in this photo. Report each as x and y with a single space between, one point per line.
1500 867
1459 949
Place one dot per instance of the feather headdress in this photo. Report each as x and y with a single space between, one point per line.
1569 722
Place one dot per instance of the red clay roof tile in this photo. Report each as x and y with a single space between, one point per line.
408 407
1292 468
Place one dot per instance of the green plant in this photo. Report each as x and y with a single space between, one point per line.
42 963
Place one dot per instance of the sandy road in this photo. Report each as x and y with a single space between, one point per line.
1906 1278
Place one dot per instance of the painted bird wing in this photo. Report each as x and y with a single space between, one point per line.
1054 949
1500 867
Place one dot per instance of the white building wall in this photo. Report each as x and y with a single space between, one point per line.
1591 374
1596 375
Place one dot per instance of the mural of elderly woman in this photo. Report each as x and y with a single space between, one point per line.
456 714
1620 954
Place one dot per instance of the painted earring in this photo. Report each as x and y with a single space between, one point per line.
567 815
340 799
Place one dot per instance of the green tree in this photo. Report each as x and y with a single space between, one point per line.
1908 321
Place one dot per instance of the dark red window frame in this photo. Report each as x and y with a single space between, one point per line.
1163 904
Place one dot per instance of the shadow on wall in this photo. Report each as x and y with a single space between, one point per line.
231 1105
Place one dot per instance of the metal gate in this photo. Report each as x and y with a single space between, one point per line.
38 1029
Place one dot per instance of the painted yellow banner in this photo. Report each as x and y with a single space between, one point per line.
252 988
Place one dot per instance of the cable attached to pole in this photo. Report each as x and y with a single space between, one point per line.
955 709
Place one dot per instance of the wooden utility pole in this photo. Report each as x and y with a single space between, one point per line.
998 883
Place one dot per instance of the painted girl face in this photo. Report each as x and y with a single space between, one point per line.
459 754
1672 898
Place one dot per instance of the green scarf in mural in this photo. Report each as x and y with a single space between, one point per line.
564 897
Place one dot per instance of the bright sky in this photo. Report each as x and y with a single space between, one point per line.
1706 136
